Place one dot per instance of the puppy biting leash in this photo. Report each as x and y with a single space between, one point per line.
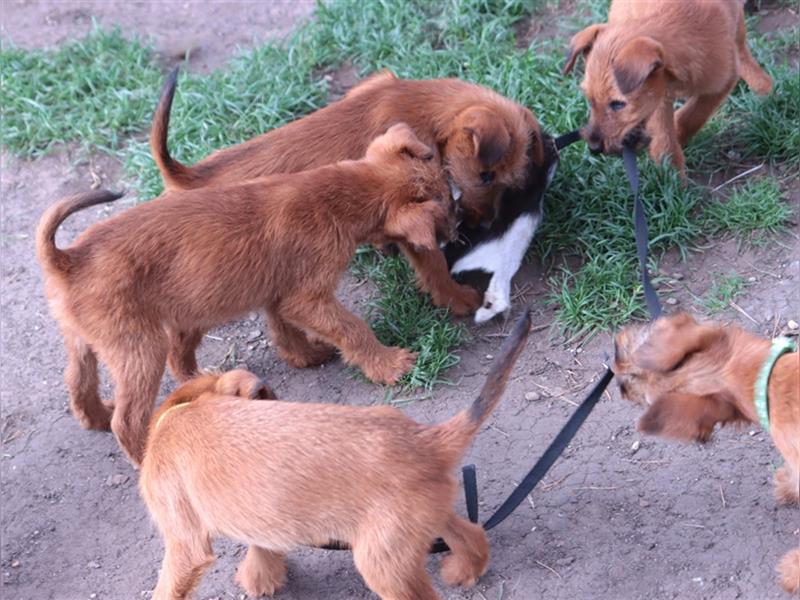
564 437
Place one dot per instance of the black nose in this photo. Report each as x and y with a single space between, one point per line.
595 143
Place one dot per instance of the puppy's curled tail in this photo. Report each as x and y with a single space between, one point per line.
457 433
789 569
175 174
52 259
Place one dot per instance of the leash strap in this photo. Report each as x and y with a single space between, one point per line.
565 140
640 227
554 450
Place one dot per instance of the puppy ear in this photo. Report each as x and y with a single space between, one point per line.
581 43
671 339
243 384
688 417
399 139
636 62
488 133
415 224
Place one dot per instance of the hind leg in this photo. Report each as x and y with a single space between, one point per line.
691 117
137 372
262 572
185 560
181 358
469 556
754 76
83 383
293 345
394 571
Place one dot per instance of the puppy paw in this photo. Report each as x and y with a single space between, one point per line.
98 417
787 485
789 569
314 355
390 365
458 569
261 573
462 300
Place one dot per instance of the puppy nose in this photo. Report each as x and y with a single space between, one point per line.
595 143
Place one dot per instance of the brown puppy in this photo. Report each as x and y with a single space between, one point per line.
653 52
277 475
692 376
146 284
483 139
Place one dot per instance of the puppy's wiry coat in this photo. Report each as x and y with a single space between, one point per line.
482 136
277 475
144 286
653 52
692 376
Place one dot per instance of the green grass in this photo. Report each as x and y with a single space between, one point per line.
754 211
98 90
587 237
400 316
723 291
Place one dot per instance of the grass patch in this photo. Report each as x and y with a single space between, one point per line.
400 316
98 90
753 211
723 290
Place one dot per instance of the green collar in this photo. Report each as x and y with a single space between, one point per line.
780 346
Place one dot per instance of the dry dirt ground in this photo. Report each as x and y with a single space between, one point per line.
618 517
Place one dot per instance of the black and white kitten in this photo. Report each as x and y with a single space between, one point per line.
487 258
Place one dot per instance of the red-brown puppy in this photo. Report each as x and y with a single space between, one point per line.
653 52
692 376
146 284
483 139
277 475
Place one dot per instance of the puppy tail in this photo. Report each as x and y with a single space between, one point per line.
789 569
457 433
50 257
175 174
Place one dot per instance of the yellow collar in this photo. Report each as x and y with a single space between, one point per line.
166 412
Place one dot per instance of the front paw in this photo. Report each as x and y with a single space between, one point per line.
787 485
389 365
462 300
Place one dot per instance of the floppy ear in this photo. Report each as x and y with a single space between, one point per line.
688 417
243 384
581 43
671 339
636 62
399 139
490 138
414 223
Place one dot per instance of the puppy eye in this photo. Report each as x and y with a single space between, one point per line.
487 177
616 105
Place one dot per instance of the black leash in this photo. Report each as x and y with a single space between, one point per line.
640 226
576 420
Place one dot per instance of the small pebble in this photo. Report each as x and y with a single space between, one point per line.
671 301
92 596
792 324
751 279
489 356
644 503
677 276
532 396
635 446
115 480
697 579
93 564
254 335
15 564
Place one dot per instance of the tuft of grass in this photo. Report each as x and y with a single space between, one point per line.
98 89
401 316
753 210
723 291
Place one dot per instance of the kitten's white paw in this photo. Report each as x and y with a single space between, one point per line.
493 305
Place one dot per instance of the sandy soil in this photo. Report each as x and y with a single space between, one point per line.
619 516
